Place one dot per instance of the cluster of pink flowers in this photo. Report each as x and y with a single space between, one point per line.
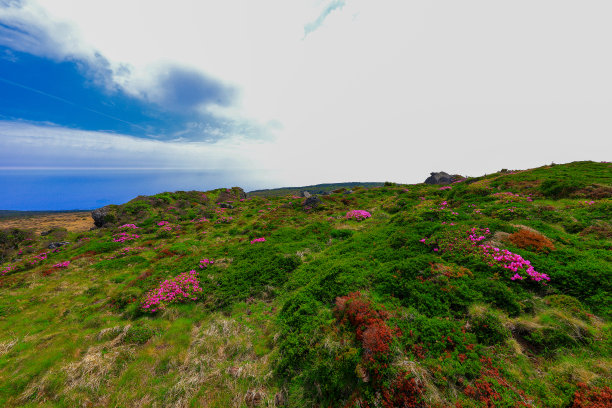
203 219
357 215
513 262
179 289
223 219
476 235
131 226
588 202
205 262
6 269
40 257
445 188
124 236
258 240
162 223
492 255
62 264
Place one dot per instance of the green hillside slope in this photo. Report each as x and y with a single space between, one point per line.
492 291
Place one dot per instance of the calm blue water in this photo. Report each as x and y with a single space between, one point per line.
88 189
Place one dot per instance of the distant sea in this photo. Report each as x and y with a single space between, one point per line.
29 190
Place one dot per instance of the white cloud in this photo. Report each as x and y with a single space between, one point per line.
381 90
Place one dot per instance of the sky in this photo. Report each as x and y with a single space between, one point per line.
101 101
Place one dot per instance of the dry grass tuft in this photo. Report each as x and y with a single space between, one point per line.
222 357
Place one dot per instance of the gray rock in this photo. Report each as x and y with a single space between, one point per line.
54 245
101 216
312 202
305 194
439 178
226 205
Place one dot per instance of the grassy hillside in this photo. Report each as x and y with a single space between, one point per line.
492 291
313 189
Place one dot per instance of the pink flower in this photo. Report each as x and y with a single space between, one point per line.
357 215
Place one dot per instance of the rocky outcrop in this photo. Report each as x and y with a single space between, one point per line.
305 194
311 202
439 178
103 216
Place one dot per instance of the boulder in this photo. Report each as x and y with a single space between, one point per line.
226 205
103 216
312 202
305 194
439 178
55 245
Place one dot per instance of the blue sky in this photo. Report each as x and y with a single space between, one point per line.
104 100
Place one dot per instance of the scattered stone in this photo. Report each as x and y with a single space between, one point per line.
54 245
312 202
348 192
305 194
439 178
226 205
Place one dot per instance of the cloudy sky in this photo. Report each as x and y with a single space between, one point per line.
104 100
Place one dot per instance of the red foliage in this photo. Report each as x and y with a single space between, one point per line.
483 388
370 329
586 397
527 239
404 392
47 272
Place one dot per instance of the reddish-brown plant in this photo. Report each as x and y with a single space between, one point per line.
532 240
586 397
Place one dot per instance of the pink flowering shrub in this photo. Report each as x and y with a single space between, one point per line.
6 269
494 257
40 257
62 264
205 262
358 215
445 188
124 236
179 289
224 220
258 240
162 223
128 226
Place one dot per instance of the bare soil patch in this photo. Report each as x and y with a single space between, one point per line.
74 221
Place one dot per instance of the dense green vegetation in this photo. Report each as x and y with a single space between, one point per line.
493 291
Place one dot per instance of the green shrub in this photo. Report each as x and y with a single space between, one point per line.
487 326
341 233
138 334
559 188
